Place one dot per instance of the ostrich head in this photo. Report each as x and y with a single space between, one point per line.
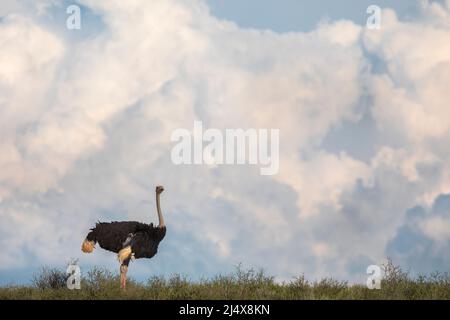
159 189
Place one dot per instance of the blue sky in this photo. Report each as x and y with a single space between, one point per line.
301 15
86 118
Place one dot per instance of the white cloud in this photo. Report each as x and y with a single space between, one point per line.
29 59
437 228
411 98
424 239
9 6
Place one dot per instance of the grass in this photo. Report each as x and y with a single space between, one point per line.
249 284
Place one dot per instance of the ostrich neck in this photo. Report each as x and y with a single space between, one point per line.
158 208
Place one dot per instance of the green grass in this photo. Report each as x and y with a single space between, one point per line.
242 284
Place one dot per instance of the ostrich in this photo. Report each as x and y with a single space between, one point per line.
129 239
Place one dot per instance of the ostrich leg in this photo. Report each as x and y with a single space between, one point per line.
123 274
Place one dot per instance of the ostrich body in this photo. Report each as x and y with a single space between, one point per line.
129 239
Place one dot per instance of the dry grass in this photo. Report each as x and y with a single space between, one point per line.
242 284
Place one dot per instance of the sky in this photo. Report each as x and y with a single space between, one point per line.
302 15
86 118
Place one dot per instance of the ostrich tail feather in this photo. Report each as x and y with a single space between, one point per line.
88 246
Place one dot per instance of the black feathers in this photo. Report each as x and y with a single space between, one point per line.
114 236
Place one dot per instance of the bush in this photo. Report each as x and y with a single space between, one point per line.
100 283
49 278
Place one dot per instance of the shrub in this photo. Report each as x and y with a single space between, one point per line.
100 283
50 278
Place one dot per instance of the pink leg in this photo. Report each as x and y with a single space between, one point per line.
123 276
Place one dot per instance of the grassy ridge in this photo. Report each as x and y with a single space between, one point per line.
243 284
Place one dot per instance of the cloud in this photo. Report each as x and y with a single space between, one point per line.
86 126
411 98
423 241
29 60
